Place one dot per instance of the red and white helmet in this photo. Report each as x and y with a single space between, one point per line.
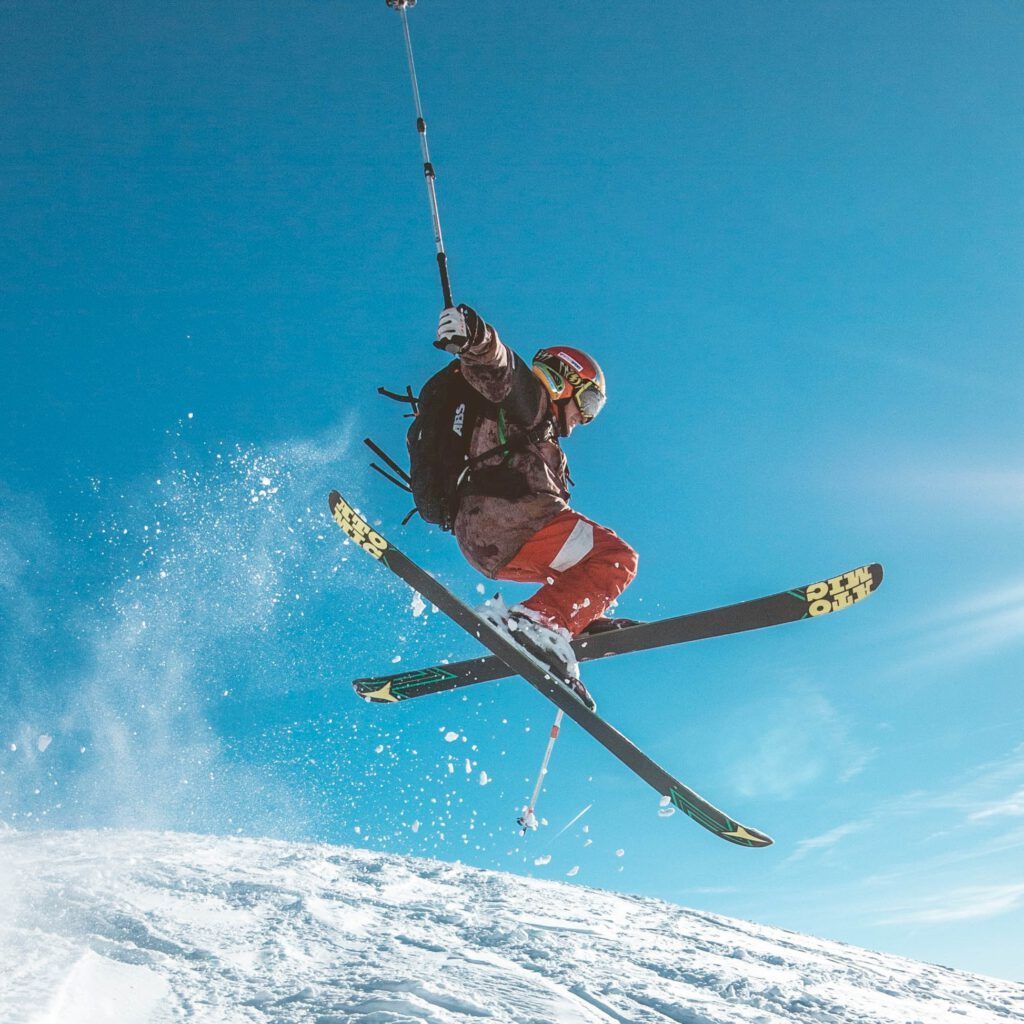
569 373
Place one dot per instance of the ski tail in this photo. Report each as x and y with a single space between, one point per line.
394 688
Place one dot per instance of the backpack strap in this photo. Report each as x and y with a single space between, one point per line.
408 398
507 447
540 433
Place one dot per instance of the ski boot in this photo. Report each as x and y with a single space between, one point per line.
551 645
607 625
495 611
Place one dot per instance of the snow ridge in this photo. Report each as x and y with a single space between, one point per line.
146 928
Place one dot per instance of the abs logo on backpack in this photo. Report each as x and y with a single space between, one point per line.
438 443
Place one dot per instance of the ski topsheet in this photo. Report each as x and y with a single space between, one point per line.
691 803
809 601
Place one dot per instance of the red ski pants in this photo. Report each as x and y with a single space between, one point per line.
582 565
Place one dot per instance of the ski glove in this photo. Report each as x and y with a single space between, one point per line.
458 329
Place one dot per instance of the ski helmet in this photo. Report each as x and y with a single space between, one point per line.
569 373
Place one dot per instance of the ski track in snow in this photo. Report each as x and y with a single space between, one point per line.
145 928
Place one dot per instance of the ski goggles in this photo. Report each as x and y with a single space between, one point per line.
590 400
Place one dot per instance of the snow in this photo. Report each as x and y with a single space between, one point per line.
148 928
100 990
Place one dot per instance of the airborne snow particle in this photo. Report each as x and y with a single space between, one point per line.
572 871
450 737
541 861
620 853
396 659
43 742
484 778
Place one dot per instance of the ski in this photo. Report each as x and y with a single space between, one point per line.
690 803
812 600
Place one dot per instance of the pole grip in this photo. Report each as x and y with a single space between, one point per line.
446 288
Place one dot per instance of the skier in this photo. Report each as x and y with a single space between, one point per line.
514 521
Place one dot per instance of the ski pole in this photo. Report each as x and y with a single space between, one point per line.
402 7
529 819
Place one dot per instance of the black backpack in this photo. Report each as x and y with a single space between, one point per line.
438 443
444 417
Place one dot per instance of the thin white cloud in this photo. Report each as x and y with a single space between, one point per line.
984 791
988 601
801 738
993 490
966 630
858 764
970 902
1012 806
945 371
827 840
991 791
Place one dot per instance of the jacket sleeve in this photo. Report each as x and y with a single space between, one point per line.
502 377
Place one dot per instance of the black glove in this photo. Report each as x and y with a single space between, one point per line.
458 329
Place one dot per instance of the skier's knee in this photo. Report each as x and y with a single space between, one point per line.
628 561
618 554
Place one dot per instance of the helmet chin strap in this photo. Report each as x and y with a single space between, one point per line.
561 415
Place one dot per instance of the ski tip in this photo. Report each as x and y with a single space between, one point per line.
375 691
355 526
749 837
839 592
713 819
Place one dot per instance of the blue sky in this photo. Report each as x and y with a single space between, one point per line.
792 236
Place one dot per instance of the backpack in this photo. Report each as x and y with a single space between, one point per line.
445 415
438 443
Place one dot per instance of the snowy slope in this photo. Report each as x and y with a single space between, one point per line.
127 928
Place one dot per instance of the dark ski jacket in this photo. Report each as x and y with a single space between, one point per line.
509 498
